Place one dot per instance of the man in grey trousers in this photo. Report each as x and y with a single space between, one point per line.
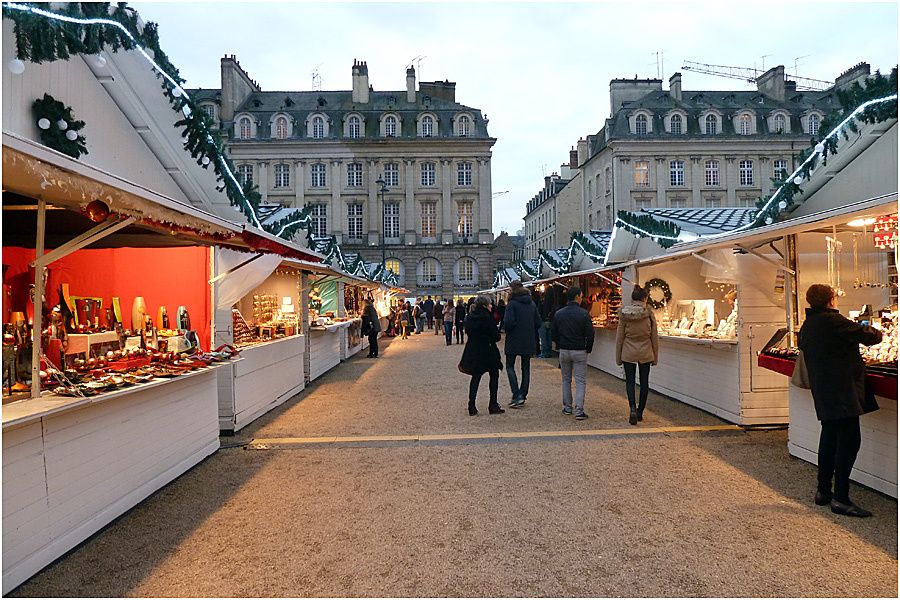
573 333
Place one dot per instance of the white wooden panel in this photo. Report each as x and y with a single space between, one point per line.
603 354
24 493
324 352
271 376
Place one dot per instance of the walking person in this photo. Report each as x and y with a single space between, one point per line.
547 309
573 333
371 327
438 315
637 347
449 317
460 320
419 316
405 318
481 354
428 305
522 322
837 377
500 313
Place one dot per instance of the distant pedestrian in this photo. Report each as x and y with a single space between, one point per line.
460 320
405 320
428 305
448 319
371 327
573 333
837 377
522 322
481 354
438 315
548 306
637 347
500 313
419 316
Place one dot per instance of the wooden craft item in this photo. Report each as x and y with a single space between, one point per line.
184 319
117 310
162 318
138 311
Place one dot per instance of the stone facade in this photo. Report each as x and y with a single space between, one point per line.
555 212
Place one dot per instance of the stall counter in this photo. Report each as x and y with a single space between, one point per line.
324 349
352 330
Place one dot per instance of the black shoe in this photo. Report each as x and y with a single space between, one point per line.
632 418
473 412
495 410
640 415
822 499
849 510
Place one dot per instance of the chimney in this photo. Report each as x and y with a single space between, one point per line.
573 158
771 83
855 73
439 89
675 86
629 90
410 85
360 73
790 87
582 150
236 86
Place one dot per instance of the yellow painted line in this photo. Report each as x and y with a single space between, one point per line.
674 429
458 436
377 438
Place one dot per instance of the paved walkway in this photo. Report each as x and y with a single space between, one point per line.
376 482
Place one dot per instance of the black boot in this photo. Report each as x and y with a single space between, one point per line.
495 409
640 410
472 410
632 418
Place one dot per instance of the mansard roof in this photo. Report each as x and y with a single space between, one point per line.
705 221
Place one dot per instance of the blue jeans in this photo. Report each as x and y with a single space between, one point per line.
420 324
546 344
448 331
518 392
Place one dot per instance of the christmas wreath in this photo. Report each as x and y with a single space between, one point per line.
661 285
57 126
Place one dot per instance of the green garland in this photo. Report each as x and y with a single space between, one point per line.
661 284
664 233
54 137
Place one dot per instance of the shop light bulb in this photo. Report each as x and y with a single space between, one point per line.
862 222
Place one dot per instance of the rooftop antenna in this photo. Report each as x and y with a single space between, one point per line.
797 62
763 57
543 169
317 78
660 63
418 60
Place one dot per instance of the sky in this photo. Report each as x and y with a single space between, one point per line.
539 71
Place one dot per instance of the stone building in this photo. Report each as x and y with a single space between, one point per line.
698 149
556 211
432 218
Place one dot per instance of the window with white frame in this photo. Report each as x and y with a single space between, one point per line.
640 124
608 181
318 128
428 173
355 221
642 203
354 127
676 173
712 125
464 226
675 124
713 203
319 220
746 202
394 265
464 173
745 172
780 123
427 126
317 175
245 128
712 173
282 175
429 220
677 203
814 124
392 221
745 125
354 175
466 270
390 126
210 110
641 173
281 128
245 175
391 174
463 126
429 272
779 169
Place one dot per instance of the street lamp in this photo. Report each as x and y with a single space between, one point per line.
383 188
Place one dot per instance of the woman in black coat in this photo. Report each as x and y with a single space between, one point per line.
481 355
837 377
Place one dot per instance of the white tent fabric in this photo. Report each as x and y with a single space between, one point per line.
239 283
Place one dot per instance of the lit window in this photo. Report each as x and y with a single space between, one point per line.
319 220
392 174
745 170
712 172
245 175
779 169
355 221
676 173
429 224
428 173
640 124
281 128
745 125
353 127
675 124
464 227
464 173
813 124
427 126
282 176
641 173
245 128
712 125
390 126
354 175
392 264
392 221
463 125
780 123
318 128
466 270
317 175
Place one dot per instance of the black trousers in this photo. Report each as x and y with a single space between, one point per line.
459 332
644 371
493 384
373 343
838 447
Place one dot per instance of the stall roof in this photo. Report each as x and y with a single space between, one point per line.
705 221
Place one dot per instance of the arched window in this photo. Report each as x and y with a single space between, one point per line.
394 264
712 125
675 124
318 128
427 126
281 128
466 271
640 124
745 125
245 130
210 110
780 123
813 124
353 127
390 126
429 273
463 125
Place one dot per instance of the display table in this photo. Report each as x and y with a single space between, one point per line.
72 465
265 376
324 349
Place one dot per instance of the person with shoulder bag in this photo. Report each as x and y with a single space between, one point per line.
637 347
481 354
522 322
837 379
448 319
371 327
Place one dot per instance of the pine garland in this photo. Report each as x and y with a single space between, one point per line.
55 111
665 233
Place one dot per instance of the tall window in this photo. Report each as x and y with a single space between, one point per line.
712 172
745 124
317 175
779 169
428 173
319 220
640 124
464 173
245 174
390 126
676 172
813 124
391 174
466 270
318 128
465 219
780 123
675 124
282 175
427 126
281 128
430 272
210 111
677 203
393 264
608 180
353 127
429 224
643 203
354 174
463 125
641 173
355 221
712 125
245 129
713 203
745 171
392 221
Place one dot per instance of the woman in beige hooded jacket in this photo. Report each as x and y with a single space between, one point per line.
637 347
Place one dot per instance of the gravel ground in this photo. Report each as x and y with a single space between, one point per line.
700 514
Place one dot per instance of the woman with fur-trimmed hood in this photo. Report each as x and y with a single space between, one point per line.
637 347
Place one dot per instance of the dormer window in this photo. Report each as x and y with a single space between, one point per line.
354 126
814 121
675 124
210 110
318 128
640 124
745 124
780 123
245 128
712 125
427 126
463 126
281 128
390 126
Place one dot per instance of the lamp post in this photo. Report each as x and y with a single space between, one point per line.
382 189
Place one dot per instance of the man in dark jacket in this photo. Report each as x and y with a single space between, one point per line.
371 326
837 377
428 305
573 333
438 316
521 321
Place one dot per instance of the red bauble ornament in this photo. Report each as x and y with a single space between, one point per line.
97 211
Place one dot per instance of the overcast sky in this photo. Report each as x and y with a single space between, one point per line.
539 71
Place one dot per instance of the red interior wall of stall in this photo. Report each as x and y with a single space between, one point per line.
169 277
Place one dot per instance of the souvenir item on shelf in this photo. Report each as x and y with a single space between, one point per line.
67 306
138 310
162 318
117 310
184 320
242 333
